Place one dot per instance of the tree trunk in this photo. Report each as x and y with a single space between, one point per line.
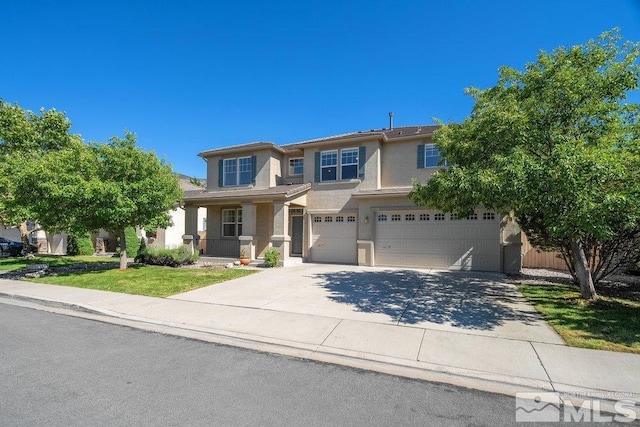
24 237
123 251
583 273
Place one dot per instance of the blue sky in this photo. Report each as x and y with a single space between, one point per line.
187 75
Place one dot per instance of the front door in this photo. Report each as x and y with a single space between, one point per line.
296 235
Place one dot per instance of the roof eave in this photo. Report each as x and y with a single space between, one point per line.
234 198
241 148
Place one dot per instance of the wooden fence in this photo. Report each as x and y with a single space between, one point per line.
536 258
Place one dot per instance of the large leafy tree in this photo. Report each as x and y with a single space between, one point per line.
25 136
112 186
558 146
142 189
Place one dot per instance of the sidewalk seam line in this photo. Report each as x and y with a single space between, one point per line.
543 367
409 303
329 334
424 332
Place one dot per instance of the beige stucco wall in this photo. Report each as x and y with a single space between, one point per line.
268 169
336 195
214 222
264 227
399 164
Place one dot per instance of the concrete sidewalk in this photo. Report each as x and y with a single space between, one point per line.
490 363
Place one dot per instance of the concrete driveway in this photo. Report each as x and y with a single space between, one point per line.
468 302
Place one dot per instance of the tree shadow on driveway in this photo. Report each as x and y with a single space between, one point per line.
461 299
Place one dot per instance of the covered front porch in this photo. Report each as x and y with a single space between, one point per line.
250 221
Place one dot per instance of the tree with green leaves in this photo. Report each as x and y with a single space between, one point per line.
25 136
558 146
113 186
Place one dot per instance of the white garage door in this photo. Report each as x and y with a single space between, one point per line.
436 240
333 238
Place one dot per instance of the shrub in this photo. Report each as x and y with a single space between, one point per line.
166 257
131 241
272 257
72 245
142 248
79 245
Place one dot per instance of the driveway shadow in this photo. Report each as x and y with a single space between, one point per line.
461 299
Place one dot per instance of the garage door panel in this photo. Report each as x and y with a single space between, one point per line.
333 241
453 244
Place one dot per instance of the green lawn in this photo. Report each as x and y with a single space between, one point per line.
16 263
606 324
146 280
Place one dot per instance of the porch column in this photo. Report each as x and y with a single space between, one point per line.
247 239
190 237
281 239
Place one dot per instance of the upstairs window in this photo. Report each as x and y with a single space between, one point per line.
329 164
237 171
340 165
296 167
245 166
230 172
429 156
349 163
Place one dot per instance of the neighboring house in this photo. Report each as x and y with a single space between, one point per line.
47 243
343 199
171 237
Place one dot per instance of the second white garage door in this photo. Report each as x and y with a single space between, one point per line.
333 238
435 240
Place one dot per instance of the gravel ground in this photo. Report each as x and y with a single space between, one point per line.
620 286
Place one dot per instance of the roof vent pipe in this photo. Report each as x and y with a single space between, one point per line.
391 120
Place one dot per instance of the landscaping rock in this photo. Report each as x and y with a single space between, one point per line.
36 267
35 275
229 265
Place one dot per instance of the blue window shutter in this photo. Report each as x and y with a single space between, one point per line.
253 169
220 172
362 151
421 156
316 176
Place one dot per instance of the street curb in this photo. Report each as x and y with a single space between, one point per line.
477 380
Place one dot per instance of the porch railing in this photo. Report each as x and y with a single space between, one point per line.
220 247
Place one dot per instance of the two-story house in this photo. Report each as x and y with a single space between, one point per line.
343 199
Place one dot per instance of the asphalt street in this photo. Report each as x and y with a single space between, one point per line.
59 370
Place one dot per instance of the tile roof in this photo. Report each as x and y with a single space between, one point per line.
387 135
